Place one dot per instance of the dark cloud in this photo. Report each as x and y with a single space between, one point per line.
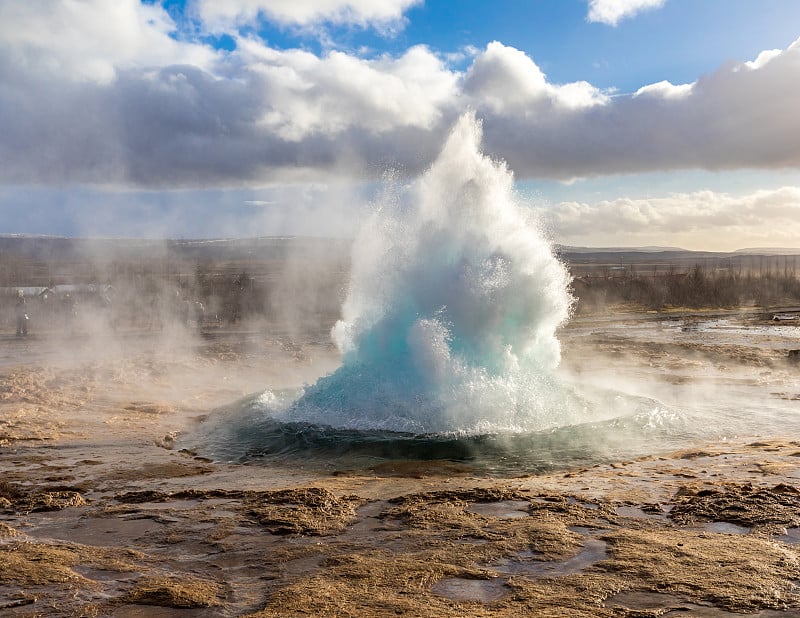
257 115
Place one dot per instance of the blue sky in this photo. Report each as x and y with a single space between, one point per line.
626 122
679 42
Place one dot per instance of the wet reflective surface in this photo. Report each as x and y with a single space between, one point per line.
461 589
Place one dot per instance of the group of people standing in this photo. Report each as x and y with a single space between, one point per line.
47 307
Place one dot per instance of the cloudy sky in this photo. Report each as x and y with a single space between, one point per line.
626 122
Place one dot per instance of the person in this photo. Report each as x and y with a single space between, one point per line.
21 312
70 309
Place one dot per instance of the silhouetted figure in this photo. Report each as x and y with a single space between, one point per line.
107 309
21 312
199 314
184 310
70 309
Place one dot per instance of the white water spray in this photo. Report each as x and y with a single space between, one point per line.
450 320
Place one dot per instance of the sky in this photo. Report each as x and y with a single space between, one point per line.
625 122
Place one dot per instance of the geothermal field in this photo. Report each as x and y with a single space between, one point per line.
446 417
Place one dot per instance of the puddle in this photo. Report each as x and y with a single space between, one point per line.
587 531
506 509
9 602
97 531
524 564
700 611
461 589
551 500
102 575
647 601
587 505
151 611
303 566
466 540
724 527
369 520
182 505
792 536
644 600
383 532
637 512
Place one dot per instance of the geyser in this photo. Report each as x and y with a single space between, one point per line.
448 335
450 319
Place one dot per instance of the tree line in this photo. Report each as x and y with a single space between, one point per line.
700 287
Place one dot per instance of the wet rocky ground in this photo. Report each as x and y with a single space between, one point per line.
103 514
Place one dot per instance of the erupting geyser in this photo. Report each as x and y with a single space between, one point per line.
448 340
450 319
449 347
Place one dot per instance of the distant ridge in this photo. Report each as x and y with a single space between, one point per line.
653 249
770 251
30 236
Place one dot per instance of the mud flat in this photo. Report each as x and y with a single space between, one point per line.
102 513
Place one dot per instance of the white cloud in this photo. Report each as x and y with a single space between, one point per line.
665 90
611 12
763 58
311 95
225 15
505 80
701 220
91 39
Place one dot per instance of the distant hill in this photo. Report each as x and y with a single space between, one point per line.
568 249
770 251
673 250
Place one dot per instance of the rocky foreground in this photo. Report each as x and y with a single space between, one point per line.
103 514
